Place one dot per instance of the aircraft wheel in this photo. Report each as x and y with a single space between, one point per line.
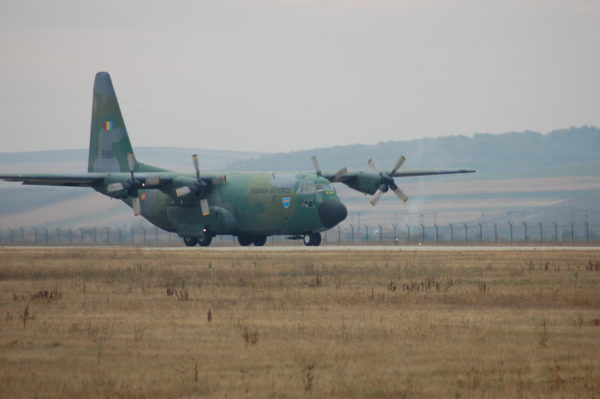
312 239
205 242
259 241
190 241
244 240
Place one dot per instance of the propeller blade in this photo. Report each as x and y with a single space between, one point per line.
136 205
398 164
339 174
182 191
204 207
399 193
372 165
376 197
196 165
315 163
219 180
114 187
131 162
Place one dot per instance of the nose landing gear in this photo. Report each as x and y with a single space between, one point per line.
312 239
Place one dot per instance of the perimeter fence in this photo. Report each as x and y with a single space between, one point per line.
510 232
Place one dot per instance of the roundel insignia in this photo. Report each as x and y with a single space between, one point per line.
143 196
285 201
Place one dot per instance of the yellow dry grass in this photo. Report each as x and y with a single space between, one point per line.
127 323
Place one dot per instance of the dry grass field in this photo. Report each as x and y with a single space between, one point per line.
132 323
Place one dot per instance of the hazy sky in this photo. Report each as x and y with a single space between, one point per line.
280 75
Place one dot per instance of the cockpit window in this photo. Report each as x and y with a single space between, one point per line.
307 188
324 187
311 188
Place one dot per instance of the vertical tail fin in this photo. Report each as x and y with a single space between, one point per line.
109 142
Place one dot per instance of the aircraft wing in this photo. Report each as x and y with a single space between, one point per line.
429 172
348 176
46 179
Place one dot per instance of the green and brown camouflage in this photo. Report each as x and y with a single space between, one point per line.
251 206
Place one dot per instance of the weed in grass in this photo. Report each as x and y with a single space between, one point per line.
580 321
308 376
26 316
100 334
182 294
45 295
483 288
543 336
138 332
249 334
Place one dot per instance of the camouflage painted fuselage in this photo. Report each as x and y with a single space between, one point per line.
248 203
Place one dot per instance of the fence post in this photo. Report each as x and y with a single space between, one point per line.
408 230
480 232
422 233
380 233
466 234
555 232
572 231
451 233
339 233
495 232
367 232
394 227
587 232
541 232
352 228
525 227
511 231
437 235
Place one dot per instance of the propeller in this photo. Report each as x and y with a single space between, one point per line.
387 182
201 187
338 175
132 186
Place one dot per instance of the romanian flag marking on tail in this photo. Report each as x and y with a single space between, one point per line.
108 125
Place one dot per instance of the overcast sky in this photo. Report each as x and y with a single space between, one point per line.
281 75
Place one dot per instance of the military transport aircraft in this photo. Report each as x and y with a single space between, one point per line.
251 206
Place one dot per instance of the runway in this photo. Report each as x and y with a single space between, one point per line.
334 248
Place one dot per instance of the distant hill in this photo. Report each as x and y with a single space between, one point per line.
574 149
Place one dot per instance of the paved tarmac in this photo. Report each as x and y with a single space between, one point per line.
339 248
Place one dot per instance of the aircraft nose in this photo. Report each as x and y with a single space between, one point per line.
332 212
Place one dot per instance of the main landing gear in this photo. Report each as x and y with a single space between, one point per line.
246 239
204 242
312 239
